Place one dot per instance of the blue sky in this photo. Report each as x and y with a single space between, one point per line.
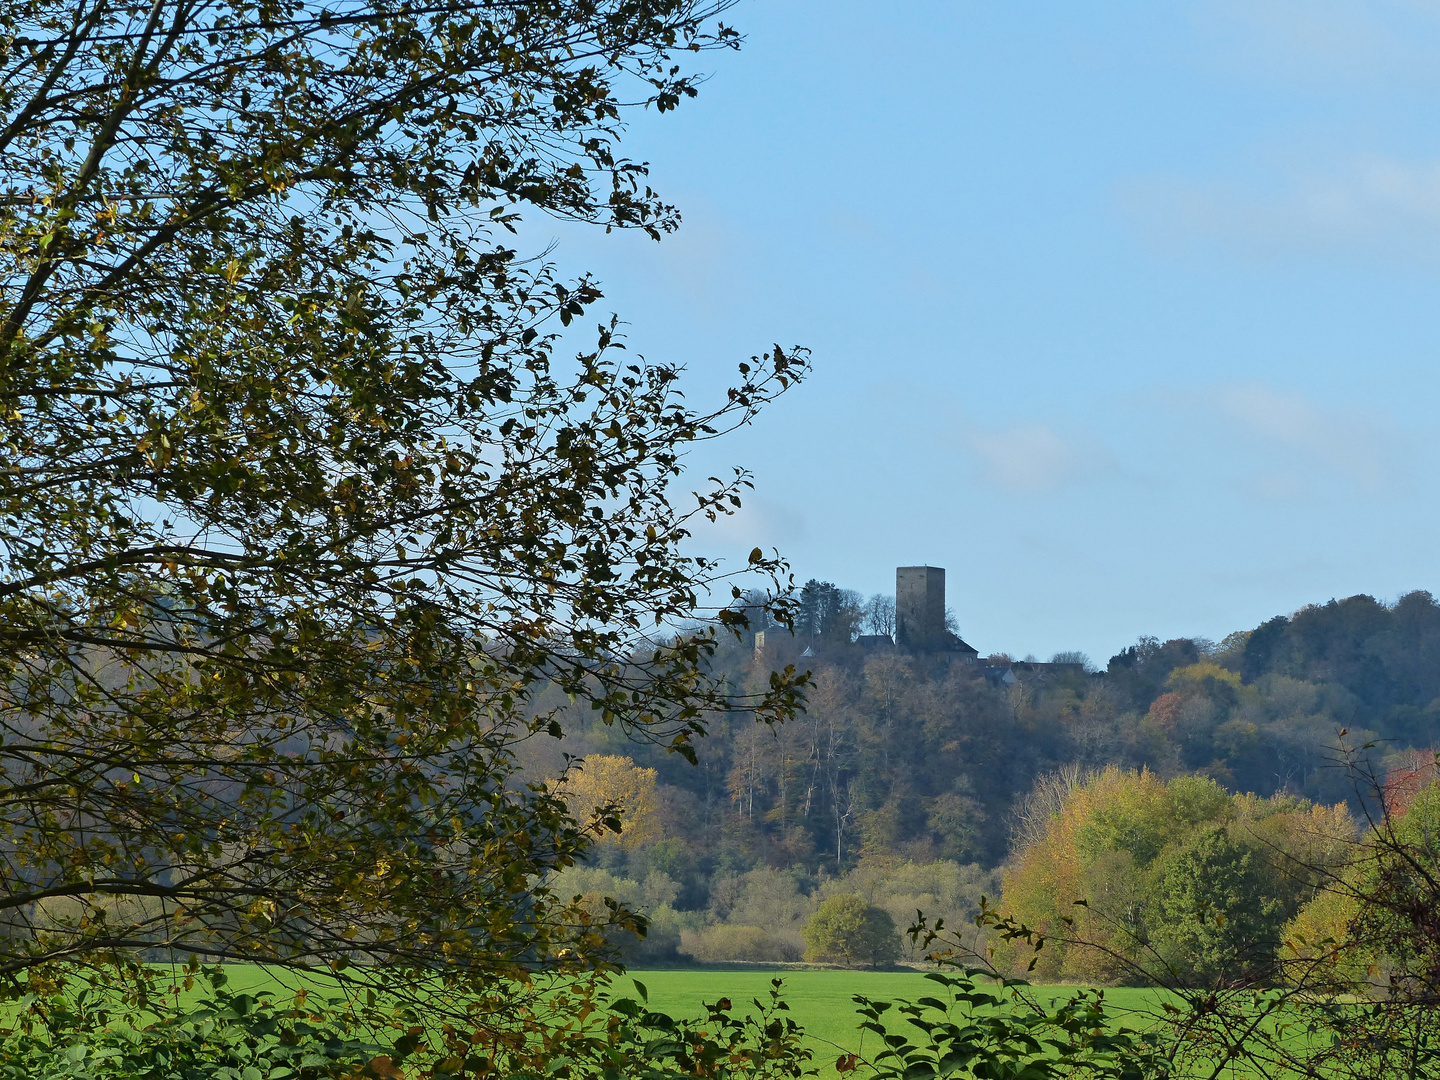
1127 314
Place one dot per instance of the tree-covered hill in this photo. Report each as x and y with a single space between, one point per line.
1263 718
1386 658
926 759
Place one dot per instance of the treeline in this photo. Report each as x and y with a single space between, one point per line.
1135 879
927 760
766 915
1260 711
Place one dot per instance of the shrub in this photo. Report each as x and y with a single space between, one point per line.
745 943
651 898
941 889
225 1035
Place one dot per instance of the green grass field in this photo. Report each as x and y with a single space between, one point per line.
819 1000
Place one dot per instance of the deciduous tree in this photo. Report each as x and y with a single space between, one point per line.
847 930
616 797
302 503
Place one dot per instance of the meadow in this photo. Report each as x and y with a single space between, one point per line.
820 1000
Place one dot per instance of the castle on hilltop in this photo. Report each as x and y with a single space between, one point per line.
920 613
920 628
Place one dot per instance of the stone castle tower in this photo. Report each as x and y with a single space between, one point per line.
920 608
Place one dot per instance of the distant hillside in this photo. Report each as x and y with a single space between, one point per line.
924 758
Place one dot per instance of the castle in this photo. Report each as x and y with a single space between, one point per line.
920 612
920 628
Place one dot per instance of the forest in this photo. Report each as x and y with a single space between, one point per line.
924 781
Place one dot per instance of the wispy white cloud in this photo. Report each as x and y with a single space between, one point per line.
1375 207
1315 192
1032 457
1291 444
1271 444
1326 41
759 522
